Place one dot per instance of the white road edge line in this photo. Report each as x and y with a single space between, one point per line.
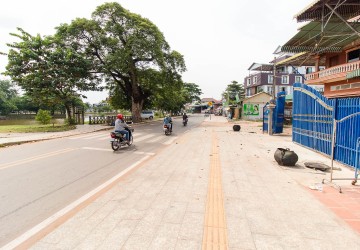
27 235
104 149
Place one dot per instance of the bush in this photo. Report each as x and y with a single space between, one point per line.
43 116
70 121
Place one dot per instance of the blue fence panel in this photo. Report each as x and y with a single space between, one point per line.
347 130
312 118
265 118
279 113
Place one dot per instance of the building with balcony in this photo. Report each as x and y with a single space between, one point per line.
261 77
330 43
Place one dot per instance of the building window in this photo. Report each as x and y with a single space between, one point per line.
345 86
260 89
298 79
248 92
284 79
280 70
309 70
248 81
255 80
353 55
270 78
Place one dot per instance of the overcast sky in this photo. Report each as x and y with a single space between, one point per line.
219 39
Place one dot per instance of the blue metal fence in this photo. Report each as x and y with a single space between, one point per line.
312 118
277 115
347 130
313 122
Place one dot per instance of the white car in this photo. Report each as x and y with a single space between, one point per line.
147 114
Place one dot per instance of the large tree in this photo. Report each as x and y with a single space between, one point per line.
8 94
49 72
127 48
234 92
192 92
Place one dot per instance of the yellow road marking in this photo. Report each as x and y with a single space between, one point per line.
215 229
38 157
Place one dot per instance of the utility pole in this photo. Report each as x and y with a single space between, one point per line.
274 80
272 103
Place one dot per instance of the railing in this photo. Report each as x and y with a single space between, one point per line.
333 72
109 120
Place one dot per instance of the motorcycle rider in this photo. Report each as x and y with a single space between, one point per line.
120 126
185 118
168 121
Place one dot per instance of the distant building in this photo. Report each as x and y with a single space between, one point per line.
261 78
204 105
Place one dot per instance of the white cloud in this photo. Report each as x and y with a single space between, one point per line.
219 39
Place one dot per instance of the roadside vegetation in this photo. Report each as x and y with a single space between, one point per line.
35 128
115 51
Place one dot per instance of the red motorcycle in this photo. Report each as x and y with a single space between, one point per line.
118 140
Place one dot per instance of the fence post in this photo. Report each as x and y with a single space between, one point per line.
333 148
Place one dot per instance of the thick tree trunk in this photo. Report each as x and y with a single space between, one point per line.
137 96
136 108
68 113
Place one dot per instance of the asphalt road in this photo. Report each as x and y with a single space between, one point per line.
38 179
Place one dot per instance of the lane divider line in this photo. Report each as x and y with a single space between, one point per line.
215 229
94 137
138 139
81 136
97 149
158 138
110 150
34 158
38 230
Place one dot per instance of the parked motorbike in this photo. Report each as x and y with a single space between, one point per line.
167 129
118 140
185 121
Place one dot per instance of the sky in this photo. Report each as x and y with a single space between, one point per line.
219 39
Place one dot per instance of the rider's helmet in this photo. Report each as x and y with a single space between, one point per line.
120 116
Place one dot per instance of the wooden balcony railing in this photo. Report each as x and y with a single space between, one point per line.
332 74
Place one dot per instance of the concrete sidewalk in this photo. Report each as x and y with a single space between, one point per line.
213 188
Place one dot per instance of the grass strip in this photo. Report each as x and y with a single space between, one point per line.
35 128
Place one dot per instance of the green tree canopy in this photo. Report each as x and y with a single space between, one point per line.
127 49
192 92
234 92
8 94
49 72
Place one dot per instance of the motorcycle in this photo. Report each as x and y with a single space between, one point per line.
185 121
118 140
167 129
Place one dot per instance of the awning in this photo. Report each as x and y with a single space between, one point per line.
317 9
353 74
291 58
313 38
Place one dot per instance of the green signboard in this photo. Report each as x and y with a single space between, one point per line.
251 109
